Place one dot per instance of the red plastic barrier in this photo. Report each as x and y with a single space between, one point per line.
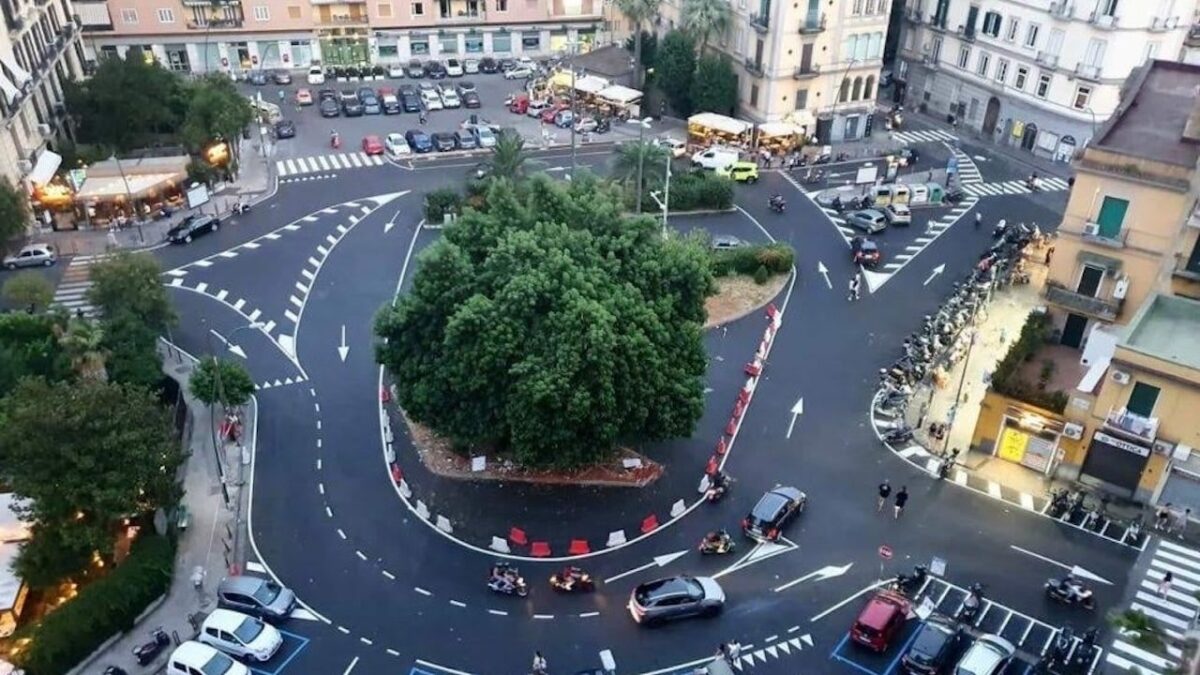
539 549
711 467
772 311
721 446
650 524
731 428
235 570
579 547
517 536
385 394
397 474
739 407
753 369
744 395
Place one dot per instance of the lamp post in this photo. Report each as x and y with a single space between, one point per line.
665 202
1093 114
137 216
221 392
643 125
574 51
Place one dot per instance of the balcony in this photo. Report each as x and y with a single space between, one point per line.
914 16
1163 23
754 67
967 34
937 22
1105 310
760 22
1047 59
1132 424
1092 233
1087 72
1062 9
1105 21
806 72
462 16
221 23
812 26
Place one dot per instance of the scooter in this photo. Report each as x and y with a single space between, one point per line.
506 580
719 484
571 580
911 583
943 469
148 651
240 208
777 204
717 543
1070 591
970 607
335 141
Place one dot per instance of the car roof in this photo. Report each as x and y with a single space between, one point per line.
225 619
869 213
193 653
36 247
724 238
670 587
879 610
242 584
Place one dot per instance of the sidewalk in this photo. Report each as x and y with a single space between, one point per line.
213 541
255 181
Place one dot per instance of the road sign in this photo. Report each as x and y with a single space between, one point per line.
885 552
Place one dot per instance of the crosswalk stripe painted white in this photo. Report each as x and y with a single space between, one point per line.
1163 617
356 159
1126 648
323 163
1157 600
1126 664
1188 575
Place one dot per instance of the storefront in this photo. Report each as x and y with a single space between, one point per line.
1115 463
779 137
619 101
705 129
1029 439
13 591
115 192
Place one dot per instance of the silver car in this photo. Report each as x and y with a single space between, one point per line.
724 242
33 255
987 656
897 214
676 598
870 221
257 597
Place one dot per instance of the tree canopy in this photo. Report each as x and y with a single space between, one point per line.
29 347
552 326
129 284
215 110
127 103
714 85
28 290
705 19
14 212
675 65
221 381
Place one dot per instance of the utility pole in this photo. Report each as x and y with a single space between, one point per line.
643 124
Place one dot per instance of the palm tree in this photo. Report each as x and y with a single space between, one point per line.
705 19
508 157
638 11
651 158
81 341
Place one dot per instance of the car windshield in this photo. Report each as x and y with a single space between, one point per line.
267 592
485 133
929 641
219 664
248 630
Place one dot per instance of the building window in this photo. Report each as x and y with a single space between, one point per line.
1193 263
754 95
166 15
935 50
129 15
1143 397
501 5
1014 24
869 87
1001 70
1094 56
856 89
871 8
449 44
473 44
262 13
531 41
418 9
802 103
1031 35
1082 96
418 45
1106 7
844 90
1043 85
1022 76
389 51
858 8
501 43
1112 216
384 9
875 46
991 24
981 66
294 12
964 55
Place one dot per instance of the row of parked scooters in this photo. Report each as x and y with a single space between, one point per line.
1073 506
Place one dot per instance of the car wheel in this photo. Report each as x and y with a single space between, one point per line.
47 262
712 611
11 266
752 180
187 239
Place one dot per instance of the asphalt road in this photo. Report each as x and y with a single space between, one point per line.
397 593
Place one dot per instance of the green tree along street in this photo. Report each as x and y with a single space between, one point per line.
653 159
106 453
29 347
128 283
674 67
705 19
220 381
28 290
14 212
714 85
639 12
127 103
559 326
216 111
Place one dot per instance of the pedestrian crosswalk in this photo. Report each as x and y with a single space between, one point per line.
1172 609
1013 187
71 293
923 136
326 163
968 172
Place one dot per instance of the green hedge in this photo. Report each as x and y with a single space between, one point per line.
102 609
777 258
694 191
442 201
1006 379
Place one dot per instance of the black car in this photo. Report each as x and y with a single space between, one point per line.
257 78
410 102
391 105
323 94
464 87
934 647
954 196
330 107
364 93
506 65
191 227
281 77
414 69
773 511
285 129
865 252
444 141
408 90
351 106
434 70
471 100
488 65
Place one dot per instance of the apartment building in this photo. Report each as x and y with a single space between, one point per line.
39 50
813 63
232 35
1042 75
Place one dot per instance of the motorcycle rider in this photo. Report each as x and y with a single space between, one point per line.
717 541
718 485
1074 589
570 576
333 138
504 576
776 202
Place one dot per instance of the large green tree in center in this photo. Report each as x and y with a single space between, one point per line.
551 326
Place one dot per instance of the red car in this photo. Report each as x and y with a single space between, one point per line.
549 114
880 620
372 145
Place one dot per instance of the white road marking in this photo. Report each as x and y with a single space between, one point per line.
422 591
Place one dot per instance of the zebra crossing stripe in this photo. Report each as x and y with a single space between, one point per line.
1181 560
1188 575
1160 616
1171 546
280 168
355 159
320 161
1126 664
377 160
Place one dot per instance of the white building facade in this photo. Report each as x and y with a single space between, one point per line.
1041 75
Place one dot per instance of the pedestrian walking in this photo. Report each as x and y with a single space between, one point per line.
1164 586
885 491
421 116
735 651
978 219
1181 522
539 664
855 286
1162 517
1049 254
901 500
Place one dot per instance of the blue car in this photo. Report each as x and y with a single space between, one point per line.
418 140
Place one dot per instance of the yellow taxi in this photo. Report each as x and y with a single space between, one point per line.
742 172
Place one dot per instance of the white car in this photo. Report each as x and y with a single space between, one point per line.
431 99
526 62
191 658
454 68
677 147
316 75
396 145
520 72
239 635
32 256
450 98
471 66
395 71
484 137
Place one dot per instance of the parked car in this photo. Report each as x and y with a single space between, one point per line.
865 252
315 75
395 71
715 157
257 597
285 129
450 98
371 105
675 597
586 125
325 93
418 140
431 100
934 645
464 87
434 70
471 66
484 137
676 147
304 96
409 90
488 65
443 141
351 106
880 620
454 68
551 112
897 214
414 69
518 74
471 100
535 108
465 140
772 513
240 635
724 242
988 656
281 77
742 172
194 658
396 145
33 255
191 227
506 64
563 119
870 221
371 145
257 78
390 104
329 107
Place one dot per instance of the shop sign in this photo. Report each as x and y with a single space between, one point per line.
1138 450
1018 129
1012 445
77 177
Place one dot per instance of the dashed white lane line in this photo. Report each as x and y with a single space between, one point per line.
543 617
361 556
422 591
341 533
343 630
497 612
317 407
456 603
393 652
588 615
318 459
321 488
365 641
389 575
329 513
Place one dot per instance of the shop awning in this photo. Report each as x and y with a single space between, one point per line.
619 94
561 79
136 186
1097 260
779 129
590 84
47 164
720 123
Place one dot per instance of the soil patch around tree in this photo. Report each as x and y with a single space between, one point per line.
738 296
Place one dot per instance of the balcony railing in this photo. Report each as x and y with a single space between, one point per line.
341 19
754 67
215 24
1087 72
1047 59
1163 23
1132 424
1106 310
1092 232
937 22
1108 21
760 22
1062 9
806 72
810 26
461 17
967 34
914 16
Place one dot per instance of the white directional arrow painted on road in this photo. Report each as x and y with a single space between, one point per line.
824 271
343 350
827 572
229 345
387 227
1075 570
936 271
658 561
237 350
761 551
797 410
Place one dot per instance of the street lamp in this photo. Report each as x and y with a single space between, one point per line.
643 125
221 391
137 216
666 198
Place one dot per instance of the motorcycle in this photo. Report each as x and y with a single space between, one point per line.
1085 651
148 651
943 469
717 543
911 583
970 607
1033 183
240 208
1062 645
1059 504
1070 591
572 579
506 580
777 204
1133 533
717 487
900 435
814 176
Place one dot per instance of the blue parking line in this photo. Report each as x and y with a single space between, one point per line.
418 671
296 652
858 666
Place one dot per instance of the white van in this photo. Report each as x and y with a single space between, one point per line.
715 158
239 635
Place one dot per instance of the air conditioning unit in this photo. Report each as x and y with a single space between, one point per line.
1120 377
45 129
1073 431
1091 229
1121 288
